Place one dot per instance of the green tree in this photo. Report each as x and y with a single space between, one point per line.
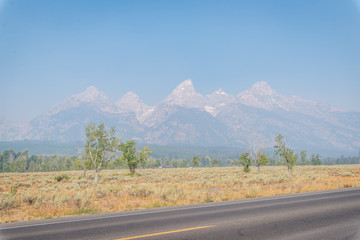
32 167
315 159
152 163
83 163
303 158
100 144
245 161
234 162
8 158
22 161
284 152
206 161
195 161
183 163
131 157
258 157
214 162
1 162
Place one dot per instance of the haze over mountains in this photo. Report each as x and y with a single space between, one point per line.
186 117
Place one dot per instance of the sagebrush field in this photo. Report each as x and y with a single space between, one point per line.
28 196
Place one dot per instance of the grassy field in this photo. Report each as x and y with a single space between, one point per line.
28 196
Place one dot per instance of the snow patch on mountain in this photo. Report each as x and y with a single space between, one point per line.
217 100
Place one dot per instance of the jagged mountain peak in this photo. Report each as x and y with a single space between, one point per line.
259 95
185 86
262 88
220 92
215 101
91 90
91 96
131 102
129 96
187 82
219 97
185 95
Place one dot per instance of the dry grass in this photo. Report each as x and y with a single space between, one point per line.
27 196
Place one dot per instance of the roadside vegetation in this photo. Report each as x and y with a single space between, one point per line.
28 196
101 184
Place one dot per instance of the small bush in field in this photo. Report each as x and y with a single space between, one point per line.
59 178
7 203
30 200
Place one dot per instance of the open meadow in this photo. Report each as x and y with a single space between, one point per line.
28 196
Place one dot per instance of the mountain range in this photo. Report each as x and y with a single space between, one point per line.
185 117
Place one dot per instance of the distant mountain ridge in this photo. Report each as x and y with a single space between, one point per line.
186 117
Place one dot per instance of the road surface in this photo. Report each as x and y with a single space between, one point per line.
320 215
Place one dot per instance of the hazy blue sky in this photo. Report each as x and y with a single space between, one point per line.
50 50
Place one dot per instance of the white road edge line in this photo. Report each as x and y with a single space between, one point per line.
296 195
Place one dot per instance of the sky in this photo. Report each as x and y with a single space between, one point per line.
50 50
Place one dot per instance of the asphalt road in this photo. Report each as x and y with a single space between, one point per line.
321 215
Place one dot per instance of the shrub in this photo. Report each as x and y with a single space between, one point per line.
7 203
59 178
30 200
13 189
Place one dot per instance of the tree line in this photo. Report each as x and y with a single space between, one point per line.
11 161
103 150
286 156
